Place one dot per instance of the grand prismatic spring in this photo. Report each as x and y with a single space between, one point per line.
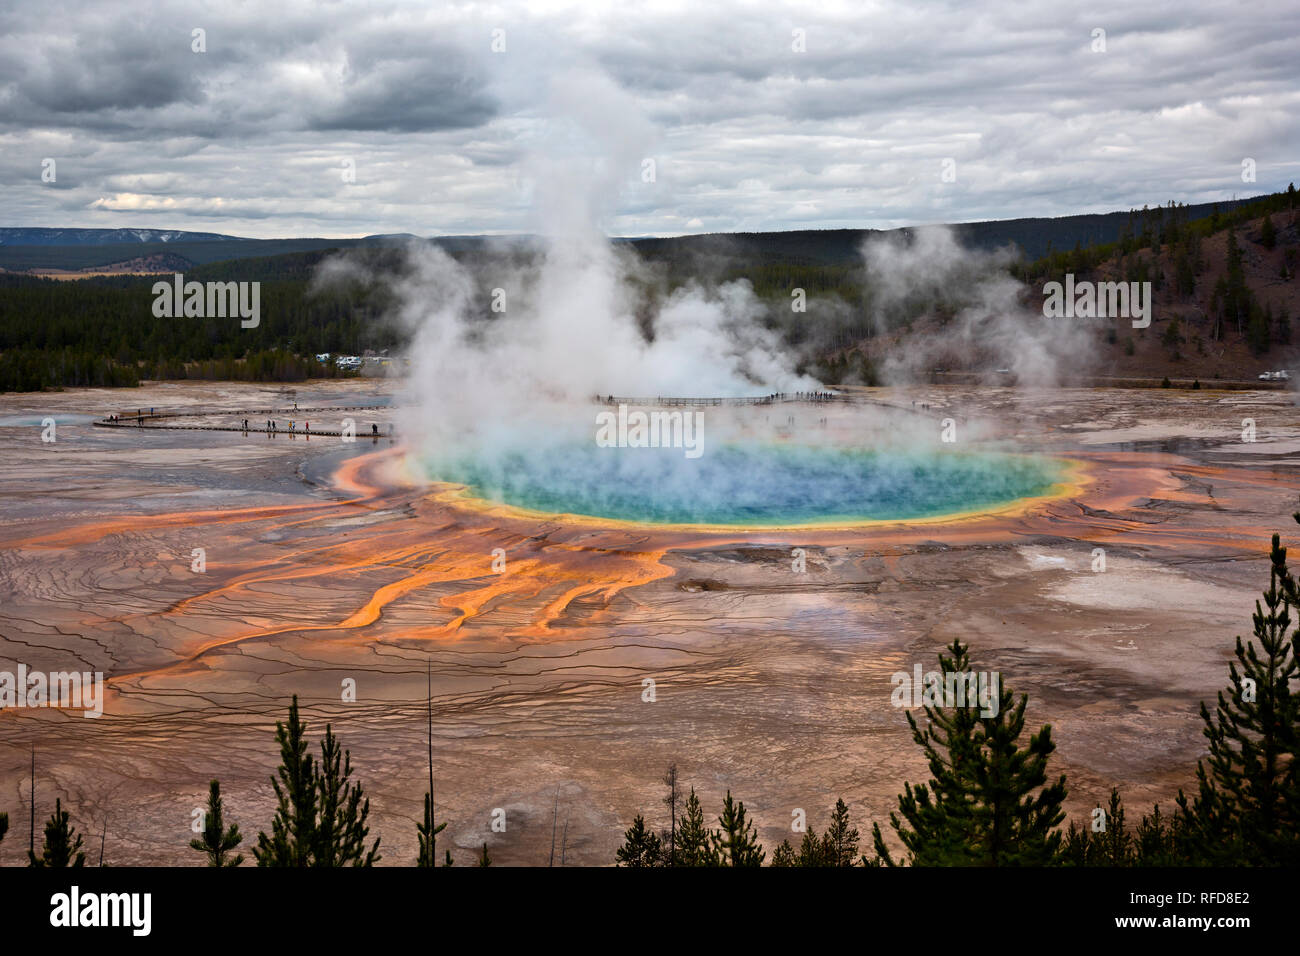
768 589
753 485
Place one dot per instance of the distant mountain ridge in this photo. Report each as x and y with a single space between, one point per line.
44 236
31 248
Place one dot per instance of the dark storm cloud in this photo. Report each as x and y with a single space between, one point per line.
88 76
846 126
430 92
144 74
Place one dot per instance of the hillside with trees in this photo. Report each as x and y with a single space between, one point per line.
1222 278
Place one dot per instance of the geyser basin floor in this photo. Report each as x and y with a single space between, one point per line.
753 484
772 683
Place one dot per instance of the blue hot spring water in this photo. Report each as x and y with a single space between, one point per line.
750 484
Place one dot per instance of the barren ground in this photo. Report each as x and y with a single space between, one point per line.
322 566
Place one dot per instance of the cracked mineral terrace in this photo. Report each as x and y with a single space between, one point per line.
324 563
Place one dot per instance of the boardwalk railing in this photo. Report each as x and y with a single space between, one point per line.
155 419
773 399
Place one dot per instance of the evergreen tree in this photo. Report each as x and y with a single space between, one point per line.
1159 842
987 803
428 841
62 846
812 852
1173 334
641 847
341 828
694 840
321 817
736 842
840 844
1247 808
1259 328
1267 234
218 842
1103 840
1238 295
483 858
1076 845
783 855
293 830
1115 845
4 826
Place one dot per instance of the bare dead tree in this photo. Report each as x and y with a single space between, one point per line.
670 800
433 834
554 814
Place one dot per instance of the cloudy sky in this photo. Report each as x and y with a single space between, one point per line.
757 115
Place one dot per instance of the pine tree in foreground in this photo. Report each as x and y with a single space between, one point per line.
321 816
641 846
694 840
1247 808
483 858
812 852
783 855
1158 841
341 829
62 842
218 842
427 834
1103 840
838 846
4 826
840 843
736 842
293 830
988 802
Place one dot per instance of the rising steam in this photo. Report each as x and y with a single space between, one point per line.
569 326
986 320
578 315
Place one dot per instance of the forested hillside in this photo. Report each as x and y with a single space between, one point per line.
1223 279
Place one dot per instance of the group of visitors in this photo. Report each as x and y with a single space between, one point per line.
272 426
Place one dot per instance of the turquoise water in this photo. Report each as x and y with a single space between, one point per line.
750 484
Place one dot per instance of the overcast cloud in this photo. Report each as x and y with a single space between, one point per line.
747 133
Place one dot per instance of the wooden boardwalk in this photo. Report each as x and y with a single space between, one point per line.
158 420
780 398
777 398
161 419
